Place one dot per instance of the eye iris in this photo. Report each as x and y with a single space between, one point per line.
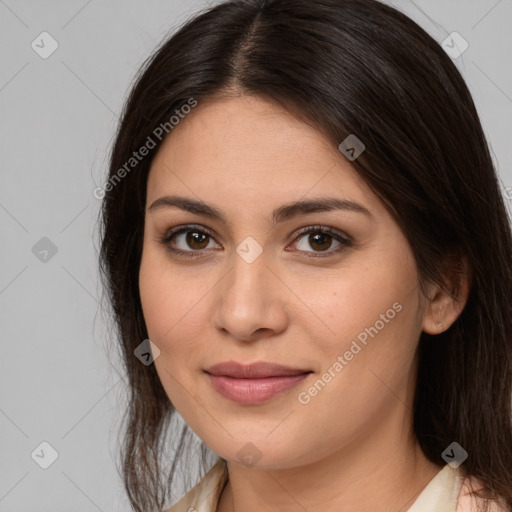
320 238
191 239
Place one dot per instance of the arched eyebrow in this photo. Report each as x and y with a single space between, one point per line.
283 213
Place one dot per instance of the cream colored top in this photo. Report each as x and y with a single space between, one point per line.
446 492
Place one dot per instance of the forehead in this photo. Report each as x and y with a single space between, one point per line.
247 149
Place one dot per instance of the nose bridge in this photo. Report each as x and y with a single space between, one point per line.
247 283
249 298
249 268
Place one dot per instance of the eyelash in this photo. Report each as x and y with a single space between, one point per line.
344 240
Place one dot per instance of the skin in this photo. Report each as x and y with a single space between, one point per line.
247 156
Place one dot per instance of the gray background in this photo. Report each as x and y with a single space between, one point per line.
59 379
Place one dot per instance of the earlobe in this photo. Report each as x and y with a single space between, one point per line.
449 301
437 318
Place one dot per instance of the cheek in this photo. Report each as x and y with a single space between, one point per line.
367 363
346 301
173 306
371 311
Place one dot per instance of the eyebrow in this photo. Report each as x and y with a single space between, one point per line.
283 213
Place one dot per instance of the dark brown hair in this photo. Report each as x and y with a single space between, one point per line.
347 67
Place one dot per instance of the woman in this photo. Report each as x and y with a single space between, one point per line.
303 217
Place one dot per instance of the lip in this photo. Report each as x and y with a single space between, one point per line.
257 370
253 383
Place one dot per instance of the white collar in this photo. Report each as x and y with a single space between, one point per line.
440 495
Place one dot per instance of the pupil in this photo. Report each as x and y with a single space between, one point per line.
322 240
192 239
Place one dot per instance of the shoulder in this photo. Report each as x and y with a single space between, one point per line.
467 502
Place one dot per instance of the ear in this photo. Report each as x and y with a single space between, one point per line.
446 302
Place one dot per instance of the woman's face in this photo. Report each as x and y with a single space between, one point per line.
261 285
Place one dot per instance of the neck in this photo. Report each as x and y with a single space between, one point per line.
382 469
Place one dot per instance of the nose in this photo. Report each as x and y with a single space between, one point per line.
250 301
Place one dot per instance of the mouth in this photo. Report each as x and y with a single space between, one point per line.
254 383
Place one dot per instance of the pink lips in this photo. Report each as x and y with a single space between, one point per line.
254 383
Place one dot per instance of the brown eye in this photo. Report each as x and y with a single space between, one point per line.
321 240
196 239
187 240
192 241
